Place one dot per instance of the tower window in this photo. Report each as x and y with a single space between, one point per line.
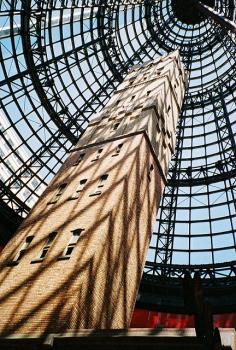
158 71
58 193
117 150
79 159
116 125
46 247
150 172
97 155
71 244
148 93
79 189
145 76
23 249
101 184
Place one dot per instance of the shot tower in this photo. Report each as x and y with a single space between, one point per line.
77 260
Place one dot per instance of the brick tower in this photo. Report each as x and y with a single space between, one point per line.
77 260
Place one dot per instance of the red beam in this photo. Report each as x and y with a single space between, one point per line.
152 319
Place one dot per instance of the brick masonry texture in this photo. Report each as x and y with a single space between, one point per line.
123 156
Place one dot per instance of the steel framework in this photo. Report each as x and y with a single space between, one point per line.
60 61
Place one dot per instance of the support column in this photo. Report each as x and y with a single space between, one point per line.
216 16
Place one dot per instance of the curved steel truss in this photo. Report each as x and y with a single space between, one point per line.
60 61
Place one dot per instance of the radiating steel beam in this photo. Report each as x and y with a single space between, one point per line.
216 16
15 29
54 21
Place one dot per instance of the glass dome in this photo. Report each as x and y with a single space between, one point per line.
61 60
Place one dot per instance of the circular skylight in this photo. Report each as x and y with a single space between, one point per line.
61 60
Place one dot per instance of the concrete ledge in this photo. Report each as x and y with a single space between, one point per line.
132 339
106 339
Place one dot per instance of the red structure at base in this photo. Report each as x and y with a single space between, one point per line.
152 319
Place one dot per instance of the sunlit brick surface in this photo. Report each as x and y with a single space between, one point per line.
109 188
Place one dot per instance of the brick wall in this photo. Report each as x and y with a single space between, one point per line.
77 260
